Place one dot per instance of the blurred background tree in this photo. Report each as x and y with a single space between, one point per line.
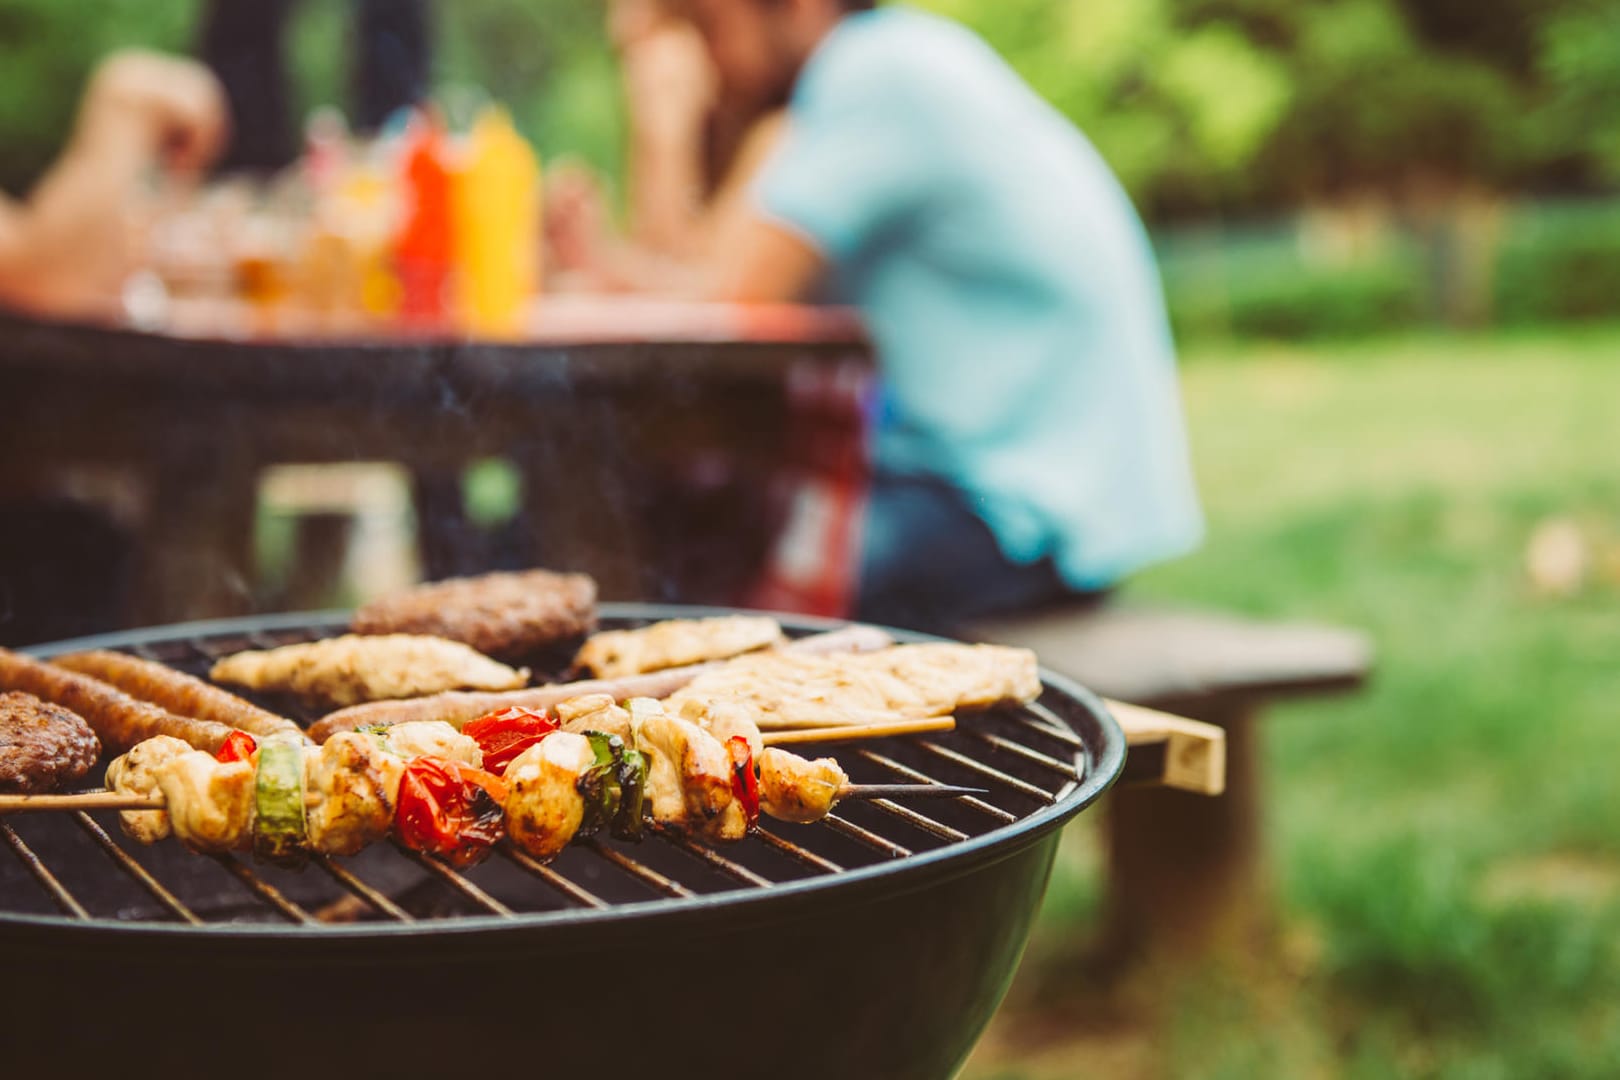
1311 167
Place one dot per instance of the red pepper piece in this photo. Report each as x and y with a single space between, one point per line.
744 780
239 746
449 809
504 735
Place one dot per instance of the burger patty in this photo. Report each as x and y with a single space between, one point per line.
42 746
505 615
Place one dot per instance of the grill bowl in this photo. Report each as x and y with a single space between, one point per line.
890 969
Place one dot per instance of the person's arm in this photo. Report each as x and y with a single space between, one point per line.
669 88
763 262
65 249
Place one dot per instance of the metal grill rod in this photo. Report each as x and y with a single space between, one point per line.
958 758
264 890
712 857
577 893
645 874
1035 757
64 899
789 848
127 863
921 821
460 884
866 836
346 878
919 777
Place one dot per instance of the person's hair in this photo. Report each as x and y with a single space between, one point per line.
859 5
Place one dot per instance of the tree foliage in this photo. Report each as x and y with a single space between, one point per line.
1199 104
1205 104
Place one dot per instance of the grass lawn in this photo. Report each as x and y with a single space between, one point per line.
1447 843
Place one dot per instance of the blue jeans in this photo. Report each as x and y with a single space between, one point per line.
928 562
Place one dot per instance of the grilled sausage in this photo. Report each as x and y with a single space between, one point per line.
118 720
457 708
177 692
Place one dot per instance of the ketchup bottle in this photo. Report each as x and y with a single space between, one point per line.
423 250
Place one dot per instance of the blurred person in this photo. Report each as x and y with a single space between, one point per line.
693 151
242 41
1031 447
66 249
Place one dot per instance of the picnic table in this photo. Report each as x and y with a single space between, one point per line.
641 430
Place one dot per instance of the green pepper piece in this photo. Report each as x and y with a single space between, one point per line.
599 784
633 789
278 826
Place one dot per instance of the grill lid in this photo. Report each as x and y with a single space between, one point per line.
1041 764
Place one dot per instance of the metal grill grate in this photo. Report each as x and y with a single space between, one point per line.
82 868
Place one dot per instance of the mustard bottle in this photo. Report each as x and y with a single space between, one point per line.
495 205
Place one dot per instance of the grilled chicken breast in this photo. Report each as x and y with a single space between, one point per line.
688 774
544 807
351 788
352 669
784 690
794 789
430 738
594 712
724 720
675 643
210 803
135 773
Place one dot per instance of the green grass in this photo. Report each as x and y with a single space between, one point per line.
1447 842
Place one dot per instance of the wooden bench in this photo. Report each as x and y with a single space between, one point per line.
1187 872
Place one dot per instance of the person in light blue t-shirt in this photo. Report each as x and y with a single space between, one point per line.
1032 444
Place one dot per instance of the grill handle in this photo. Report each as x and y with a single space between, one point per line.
1194 752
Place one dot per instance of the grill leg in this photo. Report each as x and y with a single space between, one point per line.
1187 873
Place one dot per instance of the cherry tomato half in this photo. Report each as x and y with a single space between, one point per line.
504 735
449 809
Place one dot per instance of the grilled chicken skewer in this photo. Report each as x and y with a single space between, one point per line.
113 800
424 781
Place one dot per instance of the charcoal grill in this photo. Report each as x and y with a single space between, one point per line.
875 944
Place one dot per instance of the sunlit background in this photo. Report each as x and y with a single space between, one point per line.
1390 236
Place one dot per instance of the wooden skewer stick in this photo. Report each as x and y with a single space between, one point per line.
852 732
88 800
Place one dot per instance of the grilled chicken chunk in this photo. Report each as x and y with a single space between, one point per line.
135 773
675 643
430 738
688 774
544 807
794 789
210 803
352 785
594 712
352 669
788 690
724 720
